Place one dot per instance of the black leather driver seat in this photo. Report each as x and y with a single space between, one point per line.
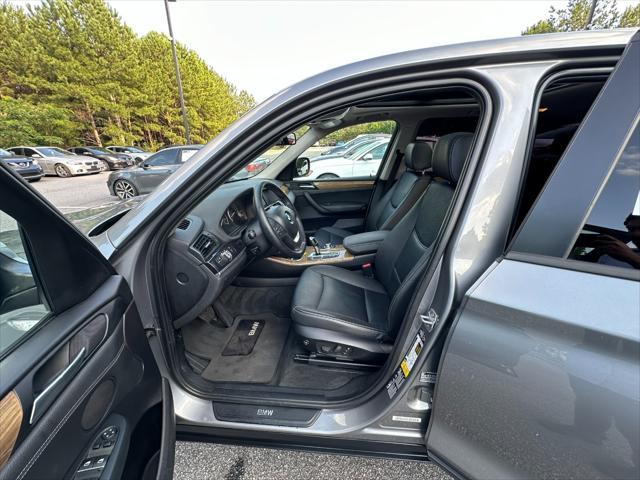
395 203
342 313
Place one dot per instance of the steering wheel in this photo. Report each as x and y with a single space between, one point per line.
280 221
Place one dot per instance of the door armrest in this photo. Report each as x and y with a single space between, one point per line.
363 243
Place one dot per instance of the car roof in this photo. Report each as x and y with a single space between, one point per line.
487 52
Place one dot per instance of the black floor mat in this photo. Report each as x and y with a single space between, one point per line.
244 338
258 366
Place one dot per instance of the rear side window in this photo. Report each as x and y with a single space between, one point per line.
187 154
563 105
165 157
611 234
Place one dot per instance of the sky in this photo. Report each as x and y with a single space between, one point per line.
265 46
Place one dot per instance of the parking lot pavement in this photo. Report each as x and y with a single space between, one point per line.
210 461
75 193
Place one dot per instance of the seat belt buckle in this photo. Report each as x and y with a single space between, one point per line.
367 269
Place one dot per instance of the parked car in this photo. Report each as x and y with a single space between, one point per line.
152 172
341 149
137 154
28 168
253 168
60 162
110 160
481 314
363 161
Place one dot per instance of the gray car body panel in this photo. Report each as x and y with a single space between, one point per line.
480 233
533 345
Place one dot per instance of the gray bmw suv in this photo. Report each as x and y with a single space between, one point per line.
476 303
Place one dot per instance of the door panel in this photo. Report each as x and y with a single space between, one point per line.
540 378
325 203
79 378
118 369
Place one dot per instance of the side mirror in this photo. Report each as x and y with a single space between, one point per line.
368 157
36 155
145 165
303 166
290 139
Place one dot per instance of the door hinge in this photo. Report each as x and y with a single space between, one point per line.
430 319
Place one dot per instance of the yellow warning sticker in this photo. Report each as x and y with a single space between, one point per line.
403 371
405 368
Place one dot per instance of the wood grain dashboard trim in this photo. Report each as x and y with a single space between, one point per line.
10 421
305 260
343 184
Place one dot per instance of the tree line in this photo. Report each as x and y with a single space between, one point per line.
575 16
71 72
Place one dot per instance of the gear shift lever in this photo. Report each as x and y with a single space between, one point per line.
315 244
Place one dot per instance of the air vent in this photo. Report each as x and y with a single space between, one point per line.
204 244
184 224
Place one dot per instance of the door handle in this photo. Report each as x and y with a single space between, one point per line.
45 398
306 186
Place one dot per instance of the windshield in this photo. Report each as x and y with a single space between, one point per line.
53 151
133 149
265 159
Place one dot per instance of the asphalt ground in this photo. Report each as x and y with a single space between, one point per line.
210 461
75 193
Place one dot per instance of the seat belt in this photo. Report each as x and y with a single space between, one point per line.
379 192
394 171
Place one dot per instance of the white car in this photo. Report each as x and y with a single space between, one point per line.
364 162
60 162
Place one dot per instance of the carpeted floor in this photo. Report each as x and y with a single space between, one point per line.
271 361
208 342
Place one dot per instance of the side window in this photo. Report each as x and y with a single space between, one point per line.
21 308
378 152
166 157
563 106
611 234
186 155
16 151
341 153
29 152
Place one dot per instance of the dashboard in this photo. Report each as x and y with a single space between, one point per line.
210 247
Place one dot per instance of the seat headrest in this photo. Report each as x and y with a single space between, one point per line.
417 156
449 155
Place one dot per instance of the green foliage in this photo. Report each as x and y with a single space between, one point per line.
575 16
83 76
346 134
630 17
23 123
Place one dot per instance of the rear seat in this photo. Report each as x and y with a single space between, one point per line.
394 204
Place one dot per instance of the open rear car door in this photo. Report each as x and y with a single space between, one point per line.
539 374
81 396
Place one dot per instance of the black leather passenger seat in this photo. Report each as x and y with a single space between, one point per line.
395 203
363 314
